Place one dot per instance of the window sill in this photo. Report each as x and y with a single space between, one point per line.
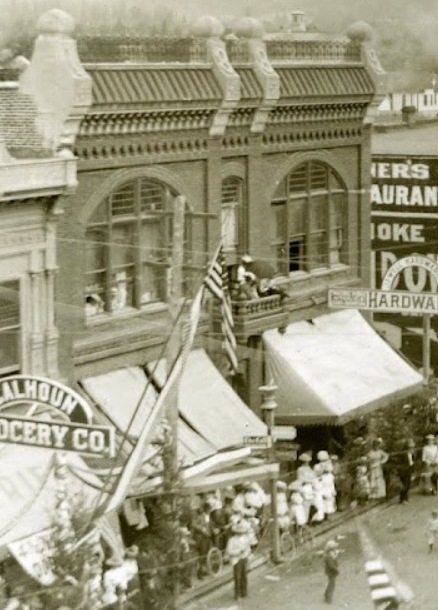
128 312
297 276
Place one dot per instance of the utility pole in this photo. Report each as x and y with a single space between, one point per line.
173 350
268 407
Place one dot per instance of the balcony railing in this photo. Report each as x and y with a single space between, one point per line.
257 308
341 50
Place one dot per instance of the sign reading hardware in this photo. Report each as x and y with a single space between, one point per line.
257 442
84 439
384 300
284 433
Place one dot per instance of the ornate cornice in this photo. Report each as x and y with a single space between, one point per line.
314 135
119 123
318 112
120 147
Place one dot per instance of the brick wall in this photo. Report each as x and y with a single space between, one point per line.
18 129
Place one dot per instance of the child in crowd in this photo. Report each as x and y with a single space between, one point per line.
432 529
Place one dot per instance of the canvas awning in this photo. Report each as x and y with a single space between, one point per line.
28 490
332 367
119 392
210 405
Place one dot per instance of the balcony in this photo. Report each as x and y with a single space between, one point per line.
257 315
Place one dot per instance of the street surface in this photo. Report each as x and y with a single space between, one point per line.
398 535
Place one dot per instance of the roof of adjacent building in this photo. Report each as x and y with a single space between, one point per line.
421 139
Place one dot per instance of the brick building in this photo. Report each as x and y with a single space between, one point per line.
267 140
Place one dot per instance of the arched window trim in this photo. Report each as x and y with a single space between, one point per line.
314 245
131 275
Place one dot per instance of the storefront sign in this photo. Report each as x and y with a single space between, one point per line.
23 389
284 433
257 442
404 215
384 301
84 439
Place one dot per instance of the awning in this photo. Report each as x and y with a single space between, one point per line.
210 405
118 393
28 490
329 368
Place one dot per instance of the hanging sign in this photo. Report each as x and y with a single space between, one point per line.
384 300
44 413
257 442
84 439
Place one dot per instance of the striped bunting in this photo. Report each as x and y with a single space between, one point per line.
216 281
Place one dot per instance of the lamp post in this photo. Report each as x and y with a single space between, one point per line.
268 407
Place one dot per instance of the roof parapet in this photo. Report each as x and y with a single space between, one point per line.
251 30
228 79
57 81
362 33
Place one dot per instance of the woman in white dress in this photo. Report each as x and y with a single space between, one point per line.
376 458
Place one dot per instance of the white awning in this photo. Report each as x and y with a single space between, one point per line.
328 368
28 490
210 405
118 393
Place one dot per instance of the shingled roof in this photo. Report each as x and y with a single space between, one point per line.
312 81
129 86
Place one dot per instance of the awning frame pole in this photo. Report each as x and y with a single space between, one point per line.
426 348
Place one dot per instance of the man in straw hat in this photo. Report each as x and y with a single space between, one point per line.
331 568
238 551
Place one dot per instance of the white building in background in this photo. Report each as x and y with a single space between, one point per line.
411 88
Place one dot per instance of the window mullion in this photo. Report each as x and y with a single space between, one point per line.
137 245
329 226
308 250
108 256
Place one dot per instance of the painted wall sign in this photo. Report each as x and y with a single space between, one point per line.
404 222
62 436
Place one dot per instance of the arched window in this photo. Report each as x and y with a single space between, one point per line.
310 212
232 215
128 248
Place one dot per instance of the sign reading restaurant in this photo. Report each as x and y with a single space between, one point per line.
404 214
69 426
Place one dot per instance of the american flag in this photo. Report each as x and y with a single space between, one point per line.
216 281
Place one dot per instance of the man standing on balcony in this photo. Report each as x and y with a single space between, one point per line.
246 279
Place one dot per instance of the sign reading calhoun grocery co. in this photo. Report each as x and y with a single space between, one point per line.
21 397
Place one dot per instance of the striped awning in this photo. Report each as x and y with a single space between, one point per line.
328 80
134 85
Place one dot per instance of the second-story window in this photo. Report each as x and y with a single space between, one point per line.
309 208
128 248
232 212
10 329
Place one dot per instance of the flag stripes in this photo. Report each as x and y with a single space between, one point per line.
216 281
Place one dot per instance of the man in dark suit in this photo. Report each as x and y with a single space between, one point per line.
405 469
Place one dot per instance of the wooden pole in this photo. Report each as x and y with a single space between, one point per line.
268 407
173 349
426 348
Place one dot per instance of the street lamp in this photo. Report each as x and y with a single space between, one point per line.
268 407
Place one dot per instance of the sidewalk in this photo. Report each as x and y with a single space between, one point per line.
262 560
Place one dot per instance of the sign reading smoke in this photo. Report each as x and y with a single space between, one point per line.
404 214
